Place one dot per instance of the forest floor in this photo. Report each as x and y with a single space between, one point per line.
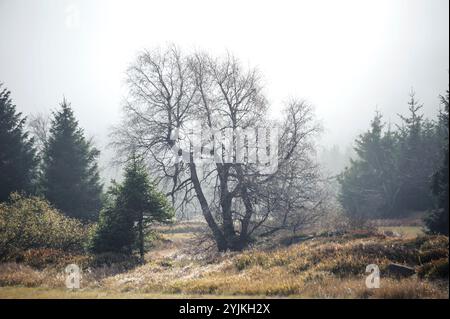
179 265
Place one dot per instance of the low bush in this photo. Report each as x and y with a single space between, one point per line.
435 269
32 223
40 258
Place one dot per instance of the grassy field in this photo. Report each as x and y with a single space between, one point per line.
320 267
63 293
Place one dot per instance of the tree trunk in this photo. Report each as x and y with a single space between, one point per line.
141 237
217 233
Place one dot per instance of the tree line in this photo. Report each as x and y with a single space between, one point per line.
397 170
59 164
400 169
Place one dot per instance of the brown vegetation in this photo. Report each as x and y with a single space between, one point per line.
320 267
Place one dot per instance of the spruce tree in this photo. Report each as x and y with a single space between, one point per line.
17 154
416 160
115 229
438 219
362 194
70 177
136 206
393 172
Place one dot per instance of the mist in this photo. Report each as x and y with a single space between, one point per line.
346 58
214 149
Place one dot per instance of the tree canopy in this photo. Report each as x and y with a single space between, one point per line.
169 92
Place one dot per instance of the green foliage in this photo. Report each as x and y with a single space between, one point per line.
437 221
115 229
418 148
139 196
17 154
31 223
70 178
368 187
131 210
391 175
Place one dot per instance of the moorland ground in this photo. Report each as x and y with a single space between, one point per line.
180 264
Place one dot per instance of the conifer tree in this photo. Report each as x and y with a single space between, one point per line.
361 192
416 160
438 221
70 177
17 154
115 229
392 173
135 206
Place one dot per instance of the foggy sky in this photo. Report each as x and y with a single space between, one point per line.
347 58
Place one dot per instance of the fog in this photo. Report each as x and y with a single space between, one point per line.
347 58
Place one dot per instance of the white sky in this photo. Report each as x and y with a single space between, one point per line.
346 57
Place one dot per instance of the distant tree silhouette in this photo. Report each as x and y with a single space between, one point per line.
418 154
368 185
392 173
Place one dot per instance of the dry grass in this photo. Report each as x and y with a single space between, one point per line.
325 268
61 293
12 274
331 267
410 288
403 231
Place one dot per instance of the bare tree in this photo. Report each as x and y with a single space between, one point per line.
238 199
39 125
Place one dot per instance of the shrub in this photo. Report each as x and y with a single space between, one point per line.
12 274
40 258
433 254
436 269
431 242
31 223
132 208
